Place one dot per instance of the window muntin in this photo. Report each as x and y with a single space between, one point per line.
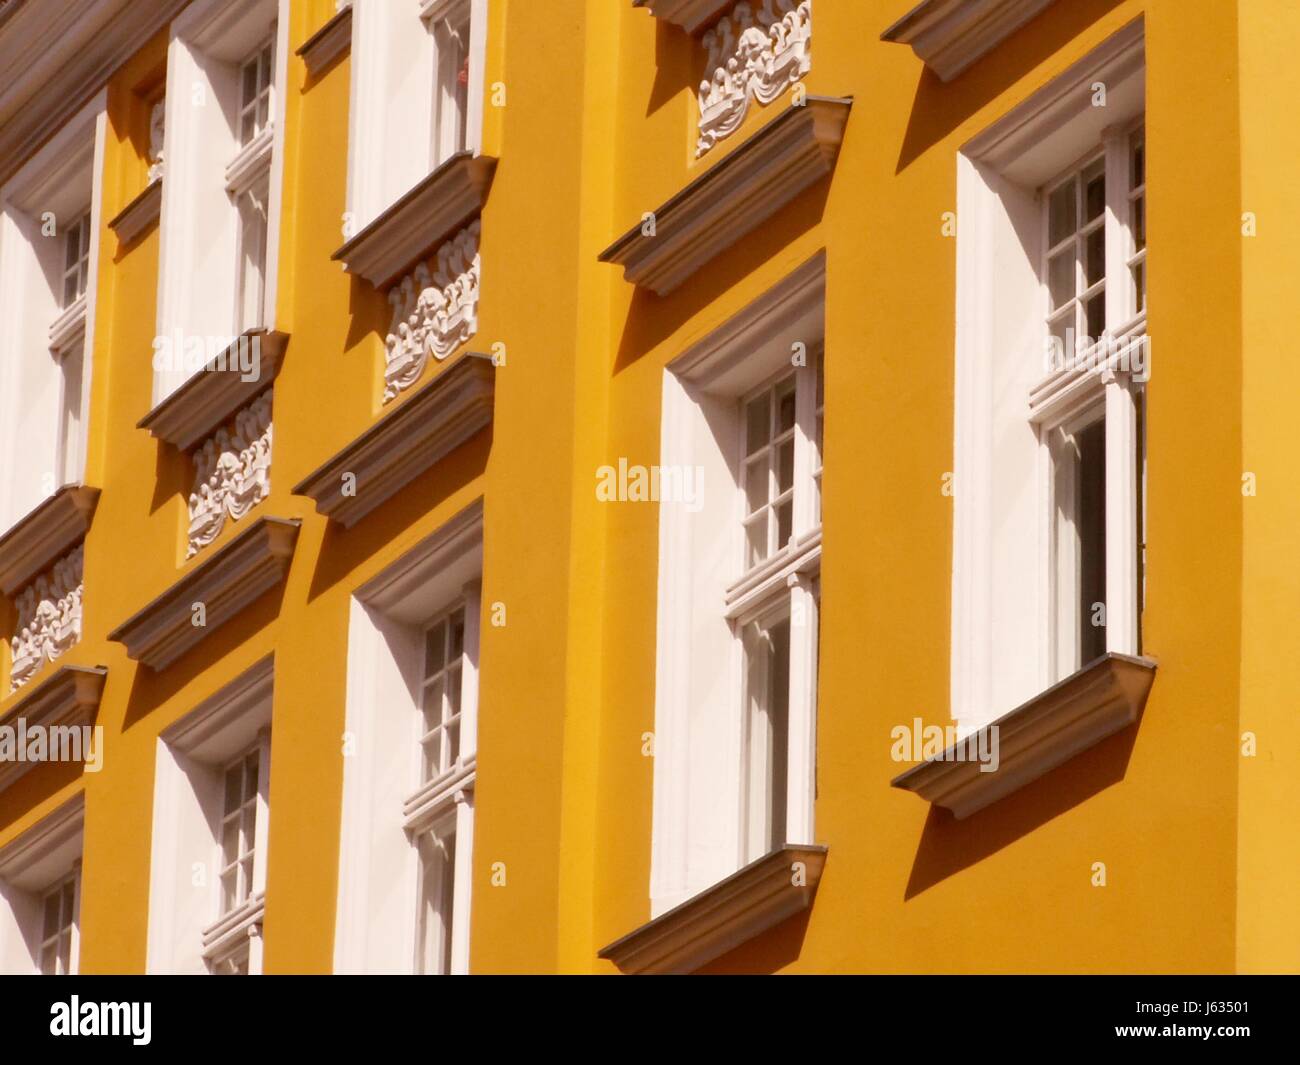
1079 454
1137 196
76 264
58 927
250 286
238 831
440 694
1076 255
768 471
255 91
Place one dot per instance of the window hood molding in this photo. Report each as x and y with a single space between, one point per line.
139 214
437 417
1101 699
423 218
722 917
70 696
735 195
199 407
225 583
46 534
332 40
690 15
949 35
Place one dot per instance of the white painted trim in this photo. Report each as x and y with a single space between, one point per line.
45 854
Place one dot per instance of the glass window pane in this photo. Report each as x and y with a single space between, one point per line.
433 705
1097 315
784 521
1095 264
1094 190
232 789
457 635
756 540
250 776
1140 223
72 247
1061 213
1061 278
51 923
435 648
785 406
1139 160
757 485
1140 285
757 424
785 466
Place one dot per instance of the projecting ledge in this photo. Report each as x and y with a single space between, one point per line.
734 196
722 917
1102 698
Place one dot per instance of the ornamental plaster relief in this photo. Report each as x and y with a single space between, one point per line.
232 474
49 618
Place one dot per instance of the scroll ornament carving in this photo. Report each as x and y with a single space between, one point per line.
751 57
49 618
433 314
232 474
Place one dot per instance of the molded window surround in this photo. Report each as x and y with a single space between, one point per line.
406 847
220 222
417 95
735 702
40 895
47 305
1029 543
207 884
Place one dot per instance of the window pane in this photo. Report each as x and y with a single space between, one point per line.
1061 279
249 88
1140 285
1091 526
1097 315
757 424
231 802
435 642
756 539
784 521
1061 213
1095 264
1094 190
785 406
1139 161
51 924
457 635
785 466
72 247
1140 223
757 484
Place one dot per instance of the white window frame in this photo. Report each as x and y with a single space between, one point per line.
393 91
190 929
211 174
35 863
389 806
46 348
701 832
1012 403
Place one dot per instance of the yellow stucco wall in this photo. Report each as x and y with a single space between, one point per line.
597 128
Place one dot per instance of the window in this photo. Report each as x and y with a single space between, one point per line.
739 585
77 260
1052 360
405 862
207 893
48 250
418 67
59 928
40 895
219 225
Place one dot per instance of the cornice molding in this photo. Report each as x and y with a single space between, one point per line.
69 696
949 35
734 196
45 535
690 15
421 220
237 575
722 917
408 440
332 40
1107 695
139 214
210 397
55 57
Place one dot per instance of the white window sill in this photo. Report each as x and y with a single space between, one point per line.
69 327
437 796
253 159
225 936
800 556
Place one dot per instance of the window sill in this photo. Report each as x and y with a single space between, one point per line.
69 327
437 796
721 918
139 214
437 417
1101 699
690 15
224 937
328 43
800 557
949 35
734 196
241 572
69 697
45 535
423 218
203 403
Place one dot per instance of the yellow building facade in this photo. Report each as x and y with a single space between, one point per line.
493 592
